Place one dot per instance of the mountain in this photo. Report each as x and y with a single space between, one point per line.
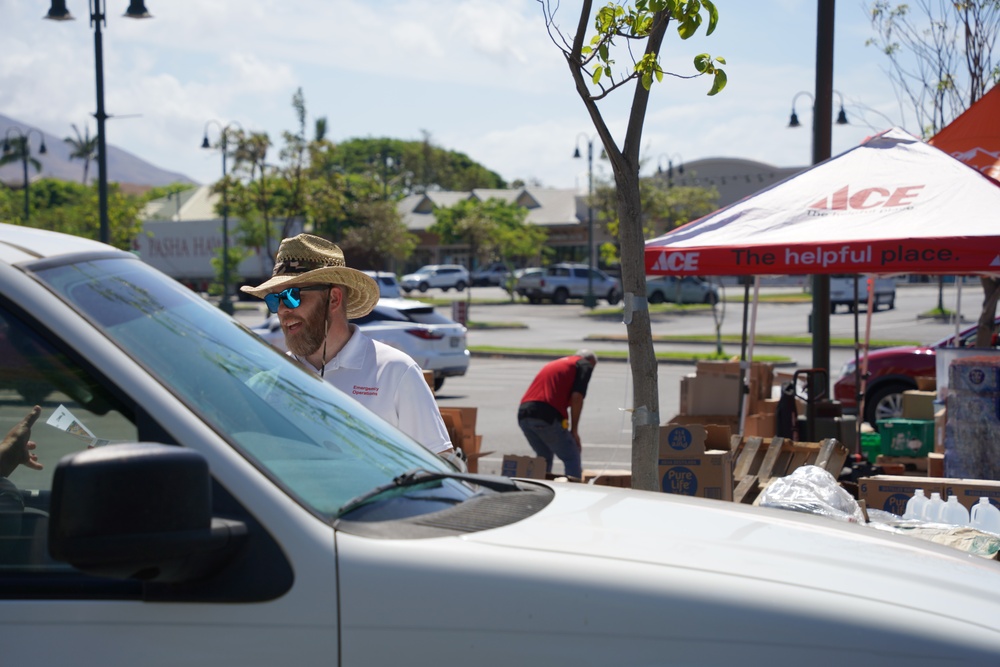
123 167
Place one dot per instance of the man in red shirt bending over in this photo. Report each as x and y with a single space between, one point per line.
554 401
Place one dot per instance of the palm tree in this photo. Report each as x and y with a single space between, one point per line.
84 148
19 151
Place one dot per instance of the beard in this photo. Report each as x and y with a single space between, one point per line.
307 339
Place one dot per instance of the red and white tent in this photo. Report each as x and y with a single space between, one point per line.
891 205
974 137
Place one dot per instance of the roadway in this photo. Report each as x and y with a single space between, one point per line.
495 385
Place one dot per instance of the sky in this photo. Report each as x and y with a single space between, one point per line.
481 77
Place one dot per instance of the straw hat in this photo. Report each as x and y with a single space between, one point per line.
309 260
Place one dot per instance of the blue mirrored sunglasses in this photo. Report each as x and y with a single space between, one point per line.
291 297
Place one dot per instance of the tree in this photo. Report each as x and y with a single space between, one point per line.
82 148
940 63
378 236
18 150
664 207
621 30
493 229
71 208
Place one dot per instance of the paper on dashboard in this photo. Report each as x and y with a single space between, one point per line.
64 420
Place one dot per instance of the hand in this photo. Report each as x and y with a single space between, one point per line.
16 448
576 437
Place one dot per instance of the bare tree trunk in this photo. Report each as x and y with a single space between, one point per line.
642 357
991 292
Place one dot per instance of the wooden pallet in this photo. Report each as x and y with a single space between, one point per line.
759 460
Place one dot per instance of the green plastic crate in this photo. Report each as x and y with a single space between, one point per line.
871 445
907 437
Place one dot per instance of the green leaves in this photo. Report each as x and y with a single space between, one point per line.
617 21
705 64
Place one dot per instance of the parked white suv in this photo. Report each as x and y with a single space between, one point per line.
443 276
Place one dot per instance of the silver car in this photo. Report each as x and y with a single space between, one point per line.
202 499
686 289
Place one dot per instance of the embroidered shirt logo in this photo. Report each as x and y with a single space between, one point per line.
360 390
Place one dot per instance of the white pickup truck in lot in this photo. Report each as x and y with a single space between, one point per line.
560 282
842 292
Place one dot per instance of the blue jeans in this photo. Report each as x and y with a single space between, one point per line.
552 439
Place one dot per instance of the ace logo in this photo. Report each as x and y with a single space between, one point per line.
676 262
868 198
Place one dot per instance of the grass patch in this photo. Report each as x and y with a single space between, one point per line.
618 354
432 301
771 339
495 325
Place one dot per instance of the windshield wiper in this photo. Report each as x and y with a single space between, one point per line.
421 476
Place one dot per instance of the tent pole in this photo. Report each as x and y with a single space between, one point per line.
958 308
746 363
857 373
868 336
744 387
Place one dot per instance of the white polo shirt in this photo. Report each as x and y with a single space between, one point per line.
388 382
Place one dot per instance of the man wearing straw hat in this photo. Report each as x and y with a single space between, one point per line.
314 294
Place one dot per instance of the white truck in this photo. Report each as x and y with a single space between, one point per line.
842 292
561 282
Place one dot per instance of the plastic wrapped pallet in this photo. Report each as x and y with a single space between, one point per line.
972 430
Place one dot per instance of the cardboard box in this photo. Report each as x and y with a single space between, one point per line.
760 375
940 420
890 492
918 404
531 467
969 491
760 424
935 464
617 478
719 429
907 437
710 394
461 425
686 468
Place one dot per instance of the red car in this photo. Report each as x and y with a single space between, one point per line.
891 371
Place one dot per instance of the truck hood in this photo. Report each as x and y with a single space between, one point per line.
665 571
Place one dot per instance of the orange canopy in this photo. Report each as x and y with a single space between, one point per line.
974 137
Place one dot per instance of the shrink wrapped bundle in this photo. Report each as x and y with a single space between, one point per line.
972 432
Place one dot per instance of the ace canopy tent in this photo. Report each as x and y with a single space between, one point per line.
891 205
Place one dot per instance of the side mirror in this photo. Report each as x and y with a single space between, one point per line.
139 511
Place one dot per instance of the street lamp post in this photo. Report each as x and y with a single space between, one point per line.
670 166
225 303
59 12
821 149
589 301
21 137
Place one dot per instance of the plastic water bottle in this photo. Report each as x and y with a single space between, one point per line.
915 505
954 512
932 510
985 516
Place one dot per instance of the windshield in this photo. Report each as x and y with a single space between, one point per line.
317 443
